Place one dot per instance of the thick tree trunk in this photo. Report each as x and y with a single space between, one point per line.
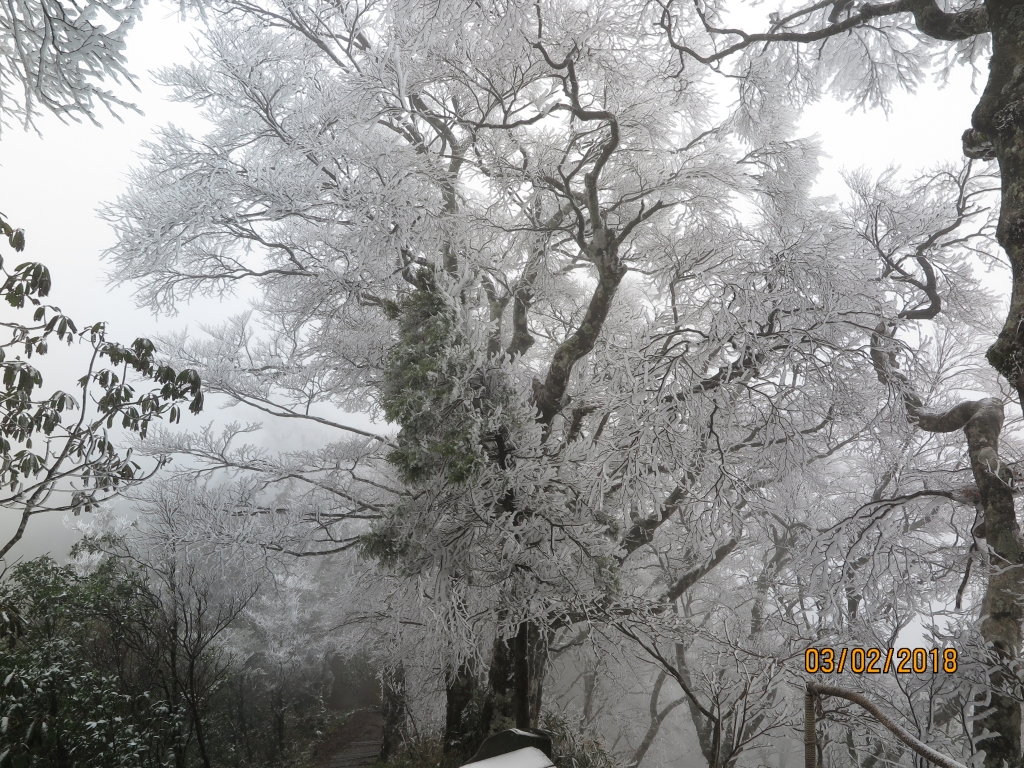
394 711
999 119
521 665
498 711
531 656
462 719
515 682
1001 609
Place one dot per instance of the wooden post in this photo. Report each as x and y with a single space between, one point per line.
810 737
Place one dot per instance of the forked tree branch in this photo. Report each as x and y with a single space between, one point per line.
901 733
929 19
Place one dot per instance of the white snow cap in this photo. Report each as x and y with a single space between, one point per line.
527 757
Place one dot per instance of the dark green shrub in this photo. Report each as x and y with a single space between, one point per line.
71 694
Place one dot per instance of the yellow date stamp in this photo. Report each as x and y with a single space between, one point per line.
876 661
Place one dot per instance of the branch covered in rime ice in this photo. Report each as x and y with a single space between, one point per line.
57 56
929 754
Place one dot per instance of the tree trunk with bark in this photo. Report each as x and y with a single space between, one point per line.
395 711
515 682
999 120
1002 609
498 712
462 716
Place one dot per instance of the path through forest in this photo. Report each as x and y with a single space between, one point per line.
356 744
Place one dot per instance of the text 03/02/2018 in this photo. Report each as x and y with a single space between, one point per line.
878 661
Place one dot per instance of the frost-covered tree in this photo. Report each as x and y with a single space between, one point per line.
643 387
861 50
202 573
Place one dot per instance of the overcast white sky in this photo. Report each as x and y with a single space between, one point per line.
52 185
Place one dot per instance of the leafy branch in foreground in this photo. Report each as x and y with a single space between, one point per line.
56 453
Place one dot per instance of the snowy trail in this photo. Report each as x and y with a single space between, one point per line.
358 743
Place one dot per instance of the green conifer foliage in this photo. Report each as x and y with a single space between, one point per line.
424 390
